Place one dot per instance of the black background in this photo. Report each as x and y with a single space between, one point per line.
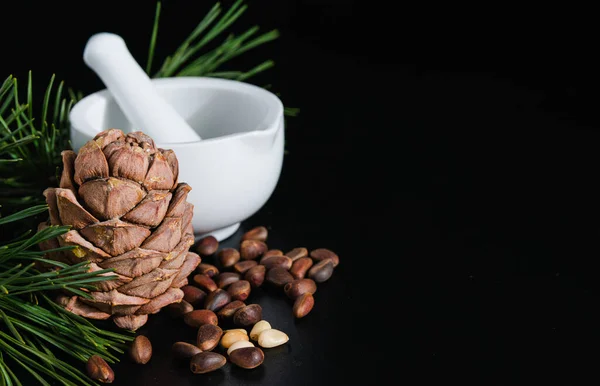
448 154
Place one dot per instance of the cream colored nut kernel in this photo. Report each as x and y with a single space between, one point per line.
231 337
272 338
242 330
259 327
239 344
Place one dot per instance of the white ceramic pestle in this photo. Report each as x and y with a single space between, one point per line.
132 89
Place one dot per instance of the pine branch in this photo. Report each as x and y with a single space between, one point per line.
30 144
31 330
188 61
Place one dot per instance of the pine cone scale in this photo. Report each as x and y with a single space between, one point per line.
151 210
74 305
110 284
70 211
151 284
130 322
50 195
160 175
174 263
166 236
129 162
111 197
84 250
189 265
115 237
172 295
66 177
90 163
134 263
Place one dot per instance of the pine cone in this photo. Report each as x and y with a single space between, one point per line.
127 212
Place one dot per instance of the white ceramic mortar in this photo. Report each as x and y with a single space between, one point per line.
234 169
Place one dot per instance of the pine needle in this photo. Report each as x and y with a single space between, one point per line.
153 38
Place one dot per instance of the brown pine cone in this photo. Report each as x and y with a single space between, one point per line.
127 211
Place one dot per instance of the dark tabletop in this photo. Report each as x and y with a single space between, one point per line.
449 156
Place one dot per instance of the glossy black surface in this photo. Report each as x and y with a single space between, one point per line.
449 156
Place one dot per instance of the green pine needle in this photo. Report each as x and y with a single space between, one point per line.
23 214
153 39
